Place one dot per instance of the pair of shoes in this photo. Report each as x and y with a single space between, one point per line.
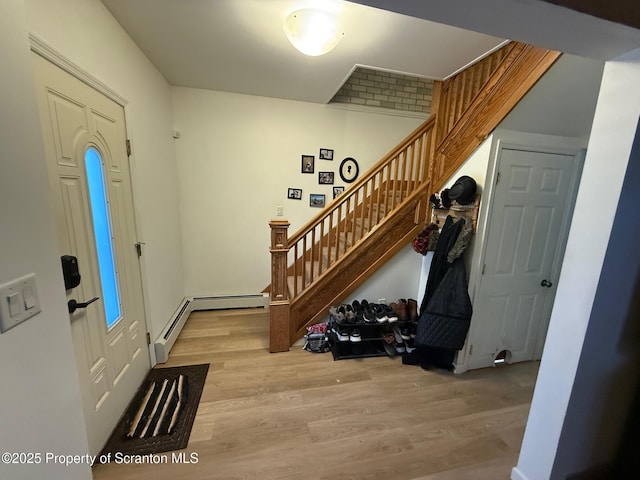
369 313
389 349
399 347
405 333
338 316
406 310
392 316
392 341
342 334
343 314
380 313
395 334
354 336
373 312
410 346
393 349
348 312
389 343
401 309
384 313
358 310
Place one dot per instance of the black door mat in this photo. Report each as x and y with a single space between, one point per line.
160 416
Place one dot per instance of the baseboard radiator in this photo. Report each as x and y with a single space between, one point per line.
223 302
170 333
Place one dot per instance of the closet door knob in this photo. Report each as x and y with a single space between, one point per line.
546 283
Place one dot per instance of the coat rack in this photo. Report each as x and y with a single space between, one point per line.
469 212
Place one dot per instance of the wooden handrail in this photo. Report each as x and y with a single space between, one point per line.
424 127
358 211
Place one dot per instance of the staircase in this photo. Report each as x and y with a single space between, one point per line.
380 213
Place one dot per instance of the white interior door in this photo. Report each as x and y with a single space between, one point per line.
524 245
85 145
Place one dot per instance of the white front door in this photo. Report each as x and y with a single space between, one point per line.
85 145
524 245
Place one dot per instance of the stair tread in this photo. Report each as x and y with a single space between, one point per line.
316 268
291 281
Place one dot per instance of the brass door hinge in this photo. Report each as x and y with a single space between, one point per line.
128 147
148 338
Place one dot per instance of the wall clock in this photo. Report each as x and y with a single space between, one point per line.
349 170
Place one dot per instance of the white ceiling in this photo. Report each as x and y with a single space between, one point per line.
537 22
239 45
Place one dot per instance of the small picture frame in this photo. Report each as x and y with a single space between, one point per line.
307 163
325 178
325 154
316 200
294 193
337 191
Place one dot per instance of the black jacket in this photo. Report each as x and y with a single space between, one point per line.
446 309
439 265
445 321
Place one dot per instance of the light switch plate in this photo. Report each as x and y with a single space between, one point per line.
18 301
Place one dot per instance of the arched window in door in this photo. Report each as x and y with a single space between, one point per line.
102 234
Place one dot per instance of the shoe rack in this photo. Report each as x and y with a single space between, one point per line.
371 343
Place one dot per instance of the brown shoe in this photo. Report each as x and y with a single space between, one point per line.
412 309
400 308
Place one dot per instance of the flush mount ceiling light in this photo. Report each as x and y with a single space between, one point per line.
312 31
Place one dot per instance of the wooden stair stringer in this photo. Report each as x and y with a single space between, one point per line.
523 67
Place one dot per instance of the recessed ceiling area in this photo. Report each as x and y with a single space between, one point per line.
381 89
239 46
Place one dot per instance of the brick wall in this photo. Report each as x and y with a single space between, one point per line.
375 88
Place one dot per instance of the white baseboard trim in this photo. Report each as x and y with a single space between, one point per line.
516 474
171 331
222 302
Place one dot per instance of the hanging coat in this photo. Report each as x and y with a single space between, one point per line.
445 321
439 265
445 311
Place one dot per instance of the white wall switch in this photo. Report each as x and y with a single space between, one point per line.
30 299
18 301
15 304
279 211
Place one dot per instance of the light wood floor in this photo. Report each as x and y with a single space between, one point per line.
300 415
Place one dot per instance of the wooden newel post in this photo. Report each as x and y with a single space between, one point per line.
279 339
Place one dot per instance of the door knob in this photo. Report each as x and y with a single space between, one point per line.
546 283
74 305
